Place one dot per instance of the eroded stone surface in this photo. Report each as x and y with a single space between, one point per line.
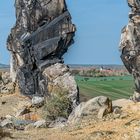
96 107
130 44
42 34
60 81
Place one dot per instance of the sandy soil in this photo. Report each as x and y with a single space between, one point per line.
105 129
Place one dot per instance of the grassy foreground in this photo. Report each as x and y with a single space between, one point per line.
113 87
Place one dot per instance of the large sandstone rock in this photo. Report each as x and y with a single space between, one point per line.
95 108
42 34
60 80
129 44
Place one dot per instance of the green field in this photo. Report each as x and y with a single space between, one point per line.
113 87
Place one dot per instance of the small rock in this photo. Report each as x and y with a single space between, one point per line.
58 123
117 111
135 97
40 124
7 123
38 101
22 111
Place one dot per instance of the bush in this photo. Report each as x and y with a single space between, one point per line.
58 105
86 79
121 78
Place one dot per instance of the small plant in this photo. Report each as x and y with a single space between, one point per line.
58 105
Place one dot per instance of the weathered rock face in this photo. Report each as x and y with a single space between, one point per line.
130 43
6 85
42 34
60 81
96 107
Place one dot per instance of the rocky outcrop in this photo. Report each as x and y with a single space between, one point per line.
95 108
130 44
42 34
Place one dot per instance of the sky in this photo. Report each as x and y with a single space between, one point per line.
98 22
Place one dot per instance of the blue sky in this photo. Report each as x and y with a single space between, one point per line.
99 23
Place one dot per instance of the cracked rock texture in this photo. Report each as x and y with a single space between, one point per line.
130 45
42 34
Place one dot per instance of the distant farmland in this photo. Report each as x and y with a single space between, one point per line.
113 87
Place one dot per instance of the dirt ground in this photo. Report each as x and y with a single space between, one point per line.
105 129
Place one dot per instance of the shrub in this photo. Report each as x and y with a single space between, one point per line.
121 78
86 79
58 105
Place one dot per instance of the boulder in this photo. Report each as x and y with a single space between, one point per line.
22 111
95 108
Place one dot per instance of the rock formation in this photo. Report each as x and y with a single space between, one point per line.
42 34
96 107
130 45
